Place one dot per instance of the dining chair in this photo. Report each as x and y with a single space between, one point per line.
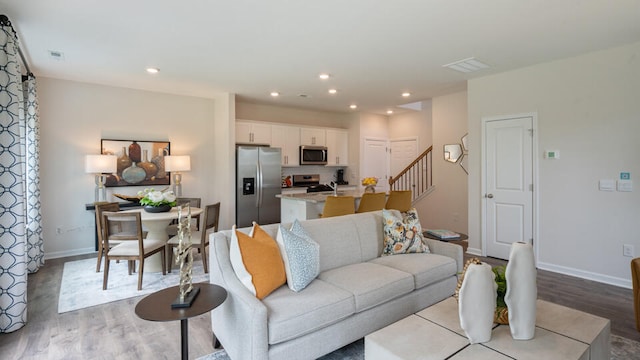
399 200
338 205
100 208
132 245
172 229
200 238
372 202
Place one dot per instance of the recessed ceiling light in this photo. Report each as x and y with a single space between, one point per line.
275 94
389 112
151 70
406 94
353 106
332 91
323 76
467 65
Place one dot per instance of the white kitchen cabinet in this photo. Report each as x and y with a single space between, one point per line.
287 138
337 147
253 133
312 136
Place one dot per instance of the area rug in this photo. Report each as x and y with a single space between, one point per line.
621 349
81 285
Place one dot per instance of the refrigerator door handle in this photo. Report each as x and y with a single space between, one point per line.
259 184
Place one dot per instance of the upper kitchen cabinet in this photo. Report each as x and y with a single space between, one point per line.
337 147
287 138
253 133
313 136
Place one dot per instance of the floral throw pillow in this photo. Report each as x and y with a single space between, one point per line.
402 233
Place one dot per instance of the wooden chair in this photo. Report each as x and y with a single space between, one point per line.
100 208
399 200
635 279
172 229
132 245
338 205
199 238
372 202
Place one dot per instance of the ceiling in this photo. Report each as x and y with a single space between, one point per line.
374 50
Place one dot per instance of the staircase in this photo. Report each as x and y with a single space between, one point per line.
416 177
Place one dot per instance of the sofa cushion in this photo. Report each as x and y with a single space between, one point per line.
295 314
301 256
425 268
256 261
370 284
338 238
402 232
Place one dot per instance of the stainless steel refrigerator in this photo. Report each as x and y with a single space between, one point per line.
258 181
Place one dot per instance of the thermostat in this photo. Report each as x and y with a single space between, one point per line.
552 154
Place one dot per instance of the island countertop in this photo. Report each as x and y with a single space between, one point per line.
319 197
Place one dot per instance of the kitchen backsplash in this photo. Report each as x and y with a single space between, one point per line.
327 174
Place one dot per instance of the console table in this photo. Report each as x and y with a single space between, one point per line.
435 333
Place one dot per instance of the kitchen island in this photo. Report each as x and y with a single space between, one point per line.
309 205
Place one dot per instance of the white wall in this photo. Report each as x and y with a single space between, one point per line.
446 206
588 109
413 124
75 116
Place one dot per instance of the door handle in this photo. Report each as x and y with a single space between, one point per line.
490 196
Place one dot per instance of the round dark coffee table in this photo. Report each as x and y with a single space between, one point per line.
157 307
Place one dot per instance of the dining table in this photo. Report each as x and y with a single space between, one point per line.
156 226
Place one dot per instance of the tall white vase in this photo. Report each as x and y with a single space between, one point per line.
522 291
477 302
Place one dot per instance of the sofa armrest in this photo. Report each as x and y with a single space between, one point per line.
240 323
447 249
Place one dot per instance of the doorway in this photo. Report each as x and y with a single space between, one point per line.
403 152
509 173
375 162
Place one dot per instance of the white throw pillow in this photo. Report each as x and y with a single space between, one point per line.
301 256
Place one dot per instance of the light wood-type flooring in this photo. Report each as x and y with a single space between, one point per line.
113 331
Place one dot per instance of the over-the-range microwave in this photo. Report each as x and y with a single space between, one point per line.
313 155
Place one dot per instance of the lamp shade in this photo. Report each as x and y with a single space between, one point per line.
177 163
98 164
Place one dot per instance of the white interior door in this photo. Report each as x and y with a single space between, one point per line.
376 162
403 152
508 184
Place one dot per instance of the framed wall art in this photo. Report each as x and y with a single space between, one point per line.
140 163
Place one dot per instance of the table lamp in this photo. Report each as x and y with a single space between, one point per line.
100 165
174 164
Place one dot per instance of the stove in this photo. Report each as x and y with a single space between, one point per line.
311 182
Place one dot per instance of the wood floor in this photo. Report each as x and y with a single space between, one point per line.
113 331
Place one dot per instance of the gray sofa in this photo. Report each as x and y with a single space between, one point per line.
356 293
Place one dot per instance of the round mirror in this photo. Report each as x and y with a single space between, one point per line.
452 152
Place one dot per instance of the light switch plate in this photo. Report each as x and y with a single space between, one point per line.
625 185
552 154
607 185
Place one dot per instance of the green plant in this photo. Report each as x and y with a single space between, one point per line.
501 280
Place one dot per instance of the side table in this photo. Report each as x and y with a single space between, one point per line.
462 240
157 307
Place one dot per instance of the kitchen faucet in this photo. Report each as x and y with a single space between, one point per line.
334 186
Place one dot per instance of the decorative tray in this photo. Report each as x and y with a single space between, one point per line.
132 198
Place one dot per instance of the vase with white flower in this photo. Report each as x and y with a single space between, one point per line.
369 184
155 201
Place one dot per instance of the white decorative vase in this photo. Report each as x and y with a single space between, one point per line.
522 291
477 302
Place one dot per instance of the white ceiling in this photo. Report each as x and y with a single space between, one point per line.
374 49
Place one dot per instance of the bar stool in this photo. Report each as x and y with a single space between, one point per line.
338 205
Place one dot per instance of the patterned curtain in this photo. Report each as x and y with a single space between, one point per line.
21 245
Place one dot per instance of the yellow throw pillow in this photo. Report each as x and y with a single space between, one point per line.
256 261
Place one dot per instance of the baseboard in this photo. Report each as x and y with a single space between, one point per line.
610 280
61 254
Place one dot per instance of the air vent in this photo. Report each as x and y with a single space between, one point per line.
467 65
56 55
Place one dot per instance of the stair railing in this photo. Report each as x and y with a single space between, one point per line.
417 176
